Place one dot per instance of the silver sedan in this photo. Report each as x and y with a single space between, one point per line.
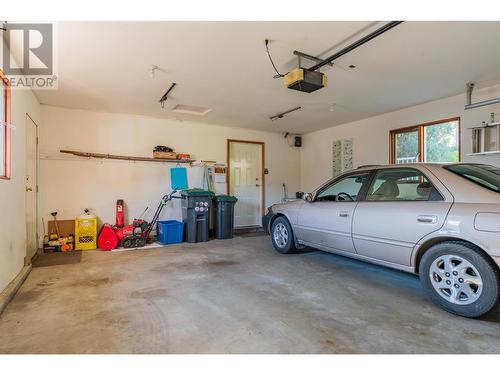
439 221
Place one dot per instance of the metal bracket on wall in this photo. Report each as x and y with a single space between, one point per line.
468 98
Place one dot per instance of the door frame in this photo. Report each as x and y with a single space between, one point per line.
28 257
263 162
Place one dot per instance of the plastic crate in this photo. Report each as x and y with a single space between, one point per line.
170 231
86 233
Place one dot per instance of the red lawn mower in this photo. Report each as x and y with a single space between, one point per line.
133 235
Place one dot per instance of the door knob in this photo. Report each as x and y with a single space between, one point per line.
344 214
257 185
29 189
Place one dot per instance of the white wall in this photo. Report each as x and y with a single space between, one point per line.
371 136
68 184
12 192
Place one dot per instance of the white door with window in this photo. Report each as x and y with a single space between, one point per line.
245 182
31 187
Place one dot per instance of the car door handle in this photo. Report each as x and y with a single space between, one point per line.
427 219
344 214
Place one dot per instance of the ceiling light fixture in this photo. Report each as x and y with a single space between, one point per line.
191 110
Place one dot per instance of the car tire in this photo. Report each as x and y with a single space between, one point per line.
460 278
282 236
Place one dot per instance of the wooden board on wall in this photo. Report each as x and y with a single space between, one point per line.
66 227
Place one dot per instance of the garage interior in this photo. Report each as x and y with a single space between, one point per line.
215 99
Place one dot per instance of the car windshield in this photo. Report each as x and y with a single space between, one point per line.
481 174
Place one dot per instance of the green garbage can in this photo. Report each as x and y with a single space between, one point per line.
224 216
196 205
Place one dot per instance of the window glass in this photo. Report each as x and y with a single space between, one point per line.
403 184
349 186
407 147
441 142
487 176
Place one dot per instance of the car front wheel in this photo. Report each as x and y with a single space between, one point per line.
282 236
460 278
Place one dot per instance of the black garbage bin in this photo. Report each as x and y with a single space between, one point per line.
196 205
224 216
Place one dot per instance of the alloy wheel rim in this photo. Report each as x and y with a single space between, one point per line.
456 279
280 235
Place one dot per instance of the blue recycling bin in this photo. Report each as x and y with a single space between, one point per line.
170 231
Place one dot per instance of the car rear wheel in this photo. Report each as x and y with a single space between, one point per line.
282 236
460 278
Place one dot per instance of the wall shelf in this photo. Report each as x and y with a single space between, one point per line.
126 158
484 153
486 138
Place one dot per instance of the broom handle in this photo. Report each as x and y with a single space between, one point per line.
57 227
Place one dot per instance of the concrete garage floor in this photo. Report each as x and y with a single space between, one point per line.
233 296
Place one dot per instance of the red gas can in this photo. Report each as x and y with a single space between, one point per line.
120 218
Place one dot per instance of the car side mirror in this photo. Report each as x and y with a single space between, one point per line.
308 197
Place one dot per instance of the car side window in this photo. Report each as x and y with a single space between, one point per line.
346 189
401 184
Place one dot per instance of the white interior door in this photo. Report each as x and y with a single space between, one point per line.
31 187
245 182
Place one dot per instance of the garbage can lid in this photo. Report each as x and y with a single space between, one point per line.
196 192
225 198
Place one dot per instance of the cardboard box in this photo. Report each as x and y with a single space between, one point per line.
164 155
183 156
66 227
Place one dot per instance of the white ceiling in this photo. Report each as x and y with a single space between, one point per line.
103 66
